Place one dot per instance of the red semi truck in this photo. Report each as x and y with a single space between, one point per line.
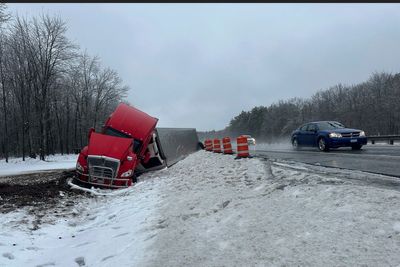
127 144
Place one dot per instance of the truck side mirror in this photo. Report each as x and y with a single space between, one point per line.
91 130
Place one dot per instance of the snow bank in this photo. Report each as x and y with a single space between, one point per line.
18 166
212 210
255 213
107 230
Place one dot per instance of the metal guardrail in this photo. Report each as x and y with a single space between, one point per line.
389 138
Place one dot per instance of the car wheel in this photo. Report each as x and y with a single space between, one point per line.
356 147
322 144
295 144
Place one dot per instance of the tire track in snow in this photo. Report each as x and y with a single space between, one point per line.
346 176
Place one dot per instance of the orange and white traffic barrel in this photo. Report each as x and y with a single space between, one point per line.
217 145
209 144
242 147
226 143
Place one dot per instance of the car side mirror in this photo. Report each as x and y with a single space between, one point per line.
91 130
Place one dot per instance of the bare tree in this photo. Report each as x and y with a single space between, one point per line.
4 17
48 50
50 94
4 93
372 105
108 89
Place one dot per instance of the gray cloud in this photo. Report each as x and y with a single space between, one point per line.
198 65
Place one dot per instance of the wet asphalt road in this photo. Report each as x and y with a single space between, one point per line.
380 159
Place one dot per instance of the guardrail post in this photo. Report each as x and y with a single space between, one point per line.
389 139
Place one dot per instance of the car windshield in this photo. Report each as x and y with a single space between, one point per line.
338 123
137 144
329 125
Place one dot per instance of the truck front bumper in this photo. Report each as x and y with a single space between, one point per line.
347 141
103 182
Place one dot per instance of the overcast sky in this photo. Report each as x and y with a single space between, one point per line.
199 65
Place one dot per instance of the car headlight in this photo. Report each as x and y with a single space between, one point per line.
127 173
335 135
362 133
79 167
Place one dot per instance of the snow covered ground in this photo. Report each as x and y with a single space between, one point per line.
212 210
17 166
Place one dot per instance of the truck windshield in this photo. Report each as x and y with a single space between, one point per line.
113 132
137 144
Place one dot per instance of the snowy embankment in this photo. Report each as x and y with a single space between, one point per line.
18 166
212 210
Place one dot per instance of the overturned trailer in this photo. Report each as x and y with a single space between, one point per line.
128 145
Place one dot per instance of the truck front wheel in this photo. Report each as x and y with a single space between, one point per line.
200 145
134 178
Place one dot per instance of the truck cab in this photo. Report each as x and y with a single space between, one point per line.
127 145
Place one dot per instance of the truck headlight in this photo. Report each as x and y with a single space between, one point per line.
79 167
335 135
362 133
127 173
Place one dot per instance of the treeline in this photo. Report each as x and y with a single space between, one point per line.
373 106
51 92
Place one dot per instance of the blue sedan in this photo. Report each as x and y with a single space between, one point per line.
326 135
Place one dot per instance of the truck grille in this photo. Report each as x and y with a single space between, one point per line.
354 134
102 167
